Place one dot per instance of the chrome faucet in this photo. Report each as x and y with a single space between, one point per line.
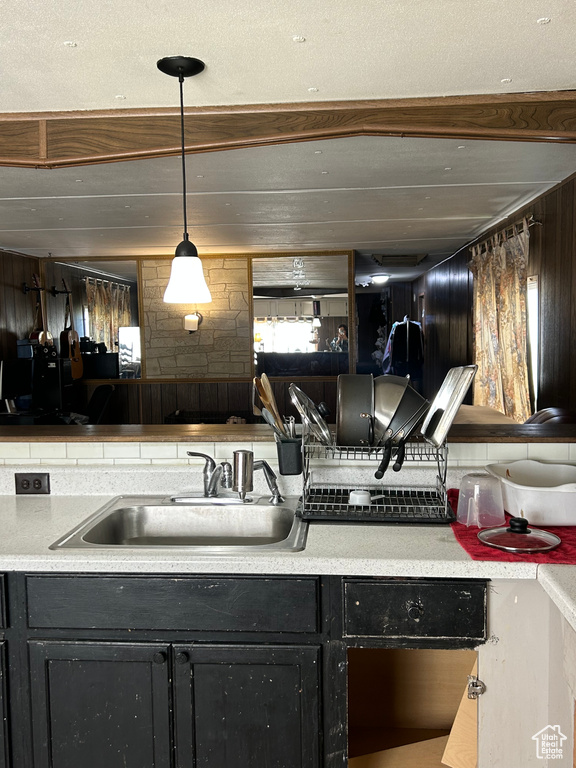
215 476
243 476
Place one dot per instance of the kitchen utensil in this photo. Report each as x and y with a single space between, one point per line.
388 393
255 410
517 537
290 426
309 415
446 403
408 415
263 395
406 433
480 501
544 493
360 498
269 419
354 409
272 405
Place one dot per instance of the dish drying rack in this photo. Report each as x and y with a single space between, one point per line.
391 504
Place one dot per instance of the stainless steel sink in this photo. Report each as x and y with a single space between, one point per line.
200 524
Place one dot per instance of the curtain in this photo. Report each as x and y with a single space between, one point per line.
108 309
500 343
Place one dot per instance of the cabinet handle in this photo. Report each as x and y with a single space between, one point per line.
415 611
182 657
159 657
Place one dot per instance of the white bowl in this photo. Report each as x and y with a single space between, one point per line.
545 494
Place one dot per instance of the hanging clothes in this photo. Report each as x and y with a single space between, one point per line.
404 353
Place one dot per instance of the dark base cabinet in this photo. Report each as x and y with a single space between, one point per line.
3 709
108 705
204 671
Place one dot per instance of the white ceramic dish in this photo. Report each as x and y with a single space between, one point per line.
545 494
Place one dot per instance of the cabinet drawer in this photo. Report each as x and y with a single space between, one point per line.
241 604
415 608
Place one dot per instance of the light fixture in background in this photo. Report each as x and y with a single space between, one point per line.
379 279
316 322
192 321
187 284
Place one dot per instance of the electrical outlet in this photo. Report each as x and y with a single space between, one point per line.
32 482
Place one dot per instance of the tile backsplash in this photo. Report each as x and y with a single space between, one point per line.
120 468
75 453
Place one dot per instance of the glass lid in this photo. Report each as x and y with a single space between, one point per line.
310 415
517 537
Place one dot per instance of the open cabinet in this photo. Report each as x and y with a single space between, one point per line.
408 708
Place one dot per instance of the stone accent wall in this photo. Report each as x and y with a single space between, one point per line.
222 347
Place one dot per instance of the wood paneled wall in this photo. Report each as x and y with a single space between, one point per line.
447 320
553 259
17 309
139 402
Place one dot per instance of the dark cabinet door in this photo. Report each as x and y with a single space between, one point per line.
3 708
100 705
245 706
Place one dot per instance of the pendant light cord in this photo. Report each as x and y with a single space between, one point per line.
181 81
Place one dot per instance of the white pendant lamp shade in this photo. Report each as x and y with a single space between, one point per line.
187 284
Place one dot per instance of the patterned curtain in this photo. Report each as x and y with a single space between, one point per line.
108 309
500 284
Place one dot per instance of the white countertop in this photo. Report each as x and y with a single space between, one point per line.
30 524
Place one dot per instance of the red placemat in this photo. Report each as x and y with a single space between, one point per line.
564 554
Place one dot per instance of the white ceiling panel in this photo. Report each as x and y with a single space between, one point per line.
92 54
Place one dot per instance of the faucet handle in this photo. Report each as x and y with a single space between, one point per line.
210 465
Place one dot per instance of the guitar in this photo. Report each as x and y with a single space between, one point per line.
69 339
46 348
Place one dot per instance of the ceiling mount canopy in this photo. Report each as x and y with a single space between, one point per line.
180 66
187 284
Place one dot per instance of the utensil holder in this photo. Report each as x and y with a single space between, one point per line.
289 455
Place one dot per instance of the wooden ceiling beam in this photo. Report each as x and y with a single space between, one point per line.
53 139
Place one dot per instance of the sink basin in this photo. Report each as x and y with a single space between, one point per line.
203 525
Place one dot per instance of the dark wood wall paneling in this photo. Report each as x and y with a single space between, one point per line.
56 305
553 259
139 402
447 323
17 309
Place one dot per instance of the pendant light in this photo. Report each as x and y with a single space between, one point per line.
187 284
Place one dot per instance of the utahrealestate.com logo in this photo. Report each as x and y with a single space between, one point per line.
549 743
